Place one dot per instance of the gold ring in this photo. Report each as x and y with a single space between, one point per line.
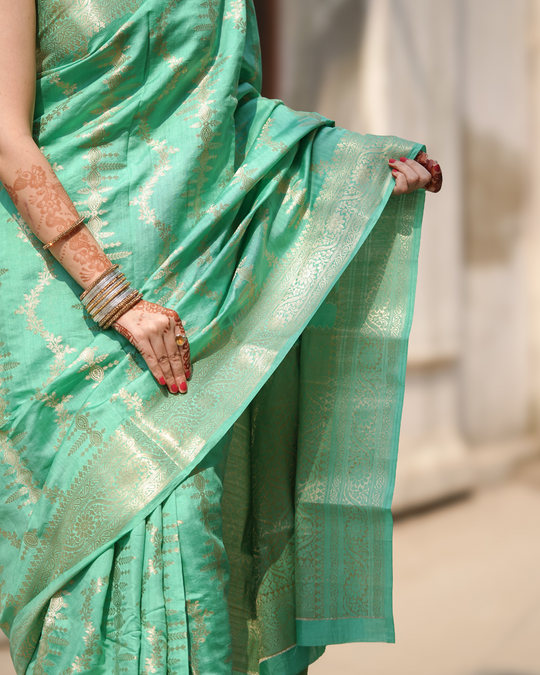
180 340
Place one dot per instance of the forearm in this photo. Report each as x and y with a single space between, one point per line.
45 206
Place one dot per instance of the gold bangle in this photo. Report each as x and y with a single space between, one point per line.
64 233
112 294
109 306
96 281
91 308
112 302
105 319
128 306
119 311
122 309
108 288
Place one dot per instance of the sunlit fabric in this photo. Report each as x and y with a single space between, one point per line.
246 525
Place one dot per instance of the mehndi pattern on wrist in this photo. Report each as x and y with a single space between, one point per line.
63 234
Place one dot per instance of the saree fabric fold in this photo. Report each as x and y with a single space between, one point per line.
246 525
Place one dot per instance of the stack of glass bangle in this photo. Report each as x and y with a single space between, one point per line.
109 297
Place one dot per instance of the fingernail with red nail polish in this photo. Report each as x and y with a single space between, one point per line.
437 167
392 161
183 387
188 375
402 159
174 389
162 380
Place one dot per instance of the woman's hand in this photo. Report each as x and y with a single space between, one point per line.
159 335
413 174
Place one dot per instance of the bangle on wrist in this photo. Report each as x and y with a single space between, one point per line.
79 221
91 290
109 297
124 307
101 297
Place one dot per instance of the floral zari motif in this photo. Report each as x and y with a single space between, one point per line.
258 226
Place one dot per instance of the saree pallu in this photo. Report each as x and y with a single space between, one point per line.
246 525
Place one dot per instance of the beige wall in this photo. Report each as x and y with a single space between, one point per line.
455 75
533 213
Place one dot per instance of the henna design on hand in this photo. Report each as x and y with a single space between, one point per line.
49 196
150 307
12 194
185 350
88 254
186 358
158 368
125 332
435 184
129 336
56 210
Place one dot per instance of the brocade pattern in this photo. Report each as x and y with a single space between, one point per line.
259 225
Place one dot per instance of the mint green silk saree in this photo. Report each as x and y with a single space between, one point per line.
246 525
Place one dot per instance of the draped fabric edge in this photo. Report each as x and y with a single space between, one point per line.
179 458
341 630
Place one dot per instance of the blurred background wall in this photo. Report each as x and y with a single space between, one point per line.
461 76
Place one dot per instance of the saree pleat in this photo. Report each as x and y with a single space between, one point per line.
142 606
245 526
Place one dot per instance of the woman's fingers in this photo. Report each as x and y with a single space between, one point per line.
413 179
175 357
409 175
406 178
186 359
183 346
159 335
411 170
423 174
163 358
401 186
147 352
